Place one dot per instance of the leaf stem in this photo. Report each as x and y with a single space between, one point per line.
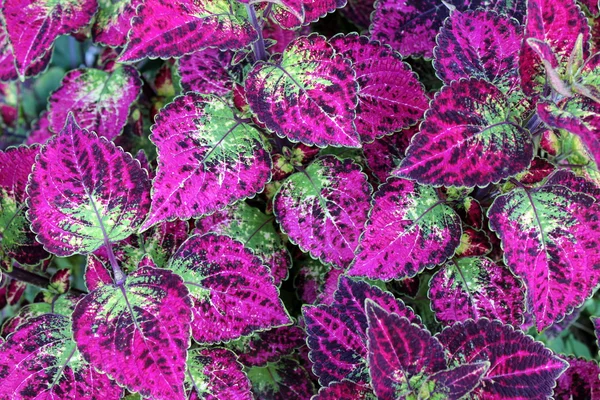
258 47
23 275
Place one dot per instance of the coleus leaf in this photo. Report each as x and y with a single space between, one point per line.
199 24
384 155
207 71
97 273
400 354
390 97
359 12
580 380
207 159
99 99
14 291
214 373
576 183
516 9
40 361
283 380
520 368
306 12
232 292
467 139
473 243
476 287
138 332
32 26
308 94
40 130
256 230
324 207
479 44
85 192
113 21
550 236
455 383
345 390
25 313
269 346
409 229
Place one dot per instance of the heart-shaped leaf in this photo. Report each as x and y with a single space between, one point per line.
207 159
390 97
232 292
520 368
476 287
409 229
138 332
323 209
113 21
467 139
286 379
308 94
84 193
198 25
40 361
551 240
99 99
207 71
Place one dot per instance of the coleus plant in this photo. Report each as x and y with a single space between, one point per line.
248 199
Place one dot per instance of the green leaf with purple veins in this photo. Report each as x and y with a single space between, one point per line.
40 361
256 231
85 192
409 229
551 240
214 374
323 209
113 21
99 99
207 159
467 139
476 287
138 332
283 380
163 29
308 94
232 292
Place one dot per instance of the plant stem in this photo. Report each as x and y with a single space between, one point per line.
33 279
260 54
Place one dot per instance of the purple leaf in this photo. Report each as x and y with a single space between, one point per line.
323 209
455 383
207 71
113 21
479 44
473 243
269 346
384 155
390 97
520 368
32 26
516 9
398 352
215 374
409 229
309 279
207 159
84 192
551 240
308 94
15 166
312 10
359 12
138 332
283 380
40 130
256 230
100 100
232 291
198 25
470 212
24 314
97 273
467 139
580 380
40 361
539 169
345 390
474 288
576 183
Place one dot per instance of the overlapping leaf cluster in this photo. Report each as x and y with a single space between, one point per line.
268 209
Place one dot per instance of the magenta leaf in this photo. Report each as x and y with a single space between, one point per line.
283 380
467 139
520 368
232 292
359 12
40 361
476 287
40 130
308 94
84 192
256 231
345 390
25 313
215 374
399 353
551 240
32 26
324 207
306 12
269 346
576 183
390 97
99 99
207 71
207 159
409 229
580 380
138 332
455 383
113 21
479 44
384 155
198 25
97 273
